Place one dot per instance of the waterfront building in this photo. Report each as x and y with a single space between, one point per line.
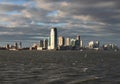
91 44
53 38
67 42
61 41
7 46
78 38
110 47
45 44
77 43
15 45
41 43
34 46
81 43
94 45
73 42
20 45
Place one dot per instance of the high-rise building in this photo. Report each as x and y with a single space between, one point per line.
77 41
45 43
7 46
41 43
81 43
67 42
78 38
91 44
20 45
73 42
53 38
61 41
15 45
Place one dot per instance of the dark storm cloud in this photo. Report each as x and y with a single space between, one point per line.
101 10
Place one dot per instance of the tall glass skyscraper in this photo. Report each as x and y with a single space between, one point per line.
53 38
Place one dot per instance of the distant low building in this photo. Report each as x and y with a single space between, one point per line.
7 46
94 45
39 48
110 47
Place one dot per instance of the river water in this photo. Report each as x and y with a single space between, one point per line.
59 67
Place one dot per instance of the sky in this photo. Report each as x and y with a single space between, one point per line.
33 19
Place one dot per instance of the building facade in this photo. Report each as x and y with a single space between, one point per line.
45 44
67 42
61 41
53 38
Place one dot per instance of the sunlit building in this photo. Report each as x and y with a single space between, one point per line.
53 38
73 42
15 45
94 45
61 41
81 43
67 42
110 47
7 46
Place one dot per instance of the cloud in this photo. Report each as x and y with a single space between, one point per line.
11 33
10 7
71 17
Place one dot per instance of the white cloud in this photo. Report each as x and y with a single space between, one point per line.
11 33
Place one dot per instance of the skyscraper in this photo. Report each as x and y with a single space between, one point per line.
78 41
45 44
81 43
67 42
41 43
78 38
61 41
53 38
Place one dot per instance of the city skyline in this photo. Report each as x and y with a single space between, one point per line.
55 42
32 19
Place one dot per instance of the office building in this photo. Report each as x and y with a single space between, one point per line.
93 45
61 41
81 43
53 38
67 42
41 43
20 45
73 42
45 44
7 46
15 45
77 41
96 44
78 38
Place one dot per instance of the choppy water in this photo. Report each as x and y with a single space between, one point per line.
59 67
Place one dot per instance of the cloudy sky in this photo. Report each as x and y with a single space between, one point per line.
32 19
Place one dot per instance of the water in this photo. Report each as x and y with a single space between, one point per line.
59 67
